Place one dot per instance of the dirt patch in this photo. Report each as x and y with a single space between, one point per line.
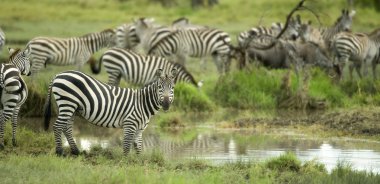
357 121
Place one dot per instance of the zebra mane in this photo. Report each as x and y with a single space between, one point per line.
90 34
374 32
17 50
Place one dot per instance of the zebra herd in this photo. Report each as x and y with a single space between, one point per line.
154 57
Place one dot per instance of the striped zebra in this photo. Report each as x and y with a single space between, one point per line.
136 68
107 106
126 37
323 36
13 89
361 49
2 39
196 43
256 33
68 51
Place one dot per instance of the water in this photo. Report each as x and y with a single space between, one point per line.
220 146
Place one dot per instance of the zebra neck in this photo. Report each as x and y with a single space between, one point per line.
148 100
185 76
95 42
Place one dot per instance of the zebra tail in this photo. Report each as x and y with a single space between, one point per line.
47 107
95 69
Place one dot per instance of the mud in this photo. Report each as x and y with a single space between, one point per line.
357 121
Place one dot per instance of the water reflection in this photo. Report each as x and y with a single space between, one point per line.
221 146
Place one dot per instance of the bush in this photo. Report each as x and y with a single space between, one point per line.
189 98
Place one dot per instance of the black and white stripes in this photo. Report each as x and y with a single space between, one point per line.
68 51
361 49
13 89
196 43
136 68
107 106
2 39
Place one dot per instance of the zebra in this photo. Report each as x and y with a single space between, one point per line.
14 91
359 48
107 106
2 39
196 43
256 33
126 37
68 51
323 36
136 68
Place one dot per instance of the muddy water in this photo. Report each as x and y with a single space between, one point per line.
220 146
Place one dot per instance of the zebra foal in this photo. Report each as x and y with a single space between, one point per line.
107 106
136 68
68 51
14 91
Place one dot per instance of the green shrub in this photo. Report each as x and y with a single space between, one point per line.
285 162
189 98
242 89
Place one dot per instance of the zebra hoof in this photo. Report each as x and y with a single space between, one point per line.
59 152
14 142
75 152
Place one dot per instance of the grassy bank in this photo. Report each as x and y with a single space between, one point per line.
33 161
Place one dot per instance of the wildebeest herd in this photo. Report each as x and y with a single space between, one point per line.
154 56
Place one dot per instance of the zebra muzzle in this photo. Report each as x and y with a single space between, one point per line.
166 104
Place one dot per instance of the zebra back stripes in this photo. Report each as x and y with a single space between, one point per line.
258 33
126 36
107 106
68 51
196 43
14 91
136 68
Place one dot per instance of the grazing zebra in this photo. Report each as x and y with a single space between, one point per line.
136 68
323 36
107 106
359 48
13 89
196 43
68 51
126 37
256 33
2 39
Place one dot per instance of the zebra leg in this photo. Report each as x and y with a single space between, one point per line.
14 125
68 132
138 142
358 67
374 64
2 125
4 117
61 124
218 62
129 133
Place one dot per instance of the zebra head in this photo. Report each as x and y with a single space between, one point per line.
344 22
20 59
165 88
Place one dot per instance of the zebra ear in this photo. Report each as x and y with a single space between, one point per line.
352 13
27 51
174 72
11 50
158 73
